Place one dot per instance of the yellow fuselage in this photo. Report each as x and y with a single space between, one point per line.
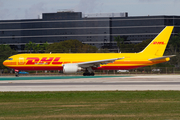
152 54
56 61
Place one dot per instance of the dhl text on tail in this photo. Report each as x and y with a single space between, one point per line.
87 62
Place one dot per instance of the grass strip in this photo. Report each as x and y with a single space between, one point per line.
105 105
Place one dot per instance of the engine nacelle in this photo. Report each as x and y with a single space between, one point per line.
71 68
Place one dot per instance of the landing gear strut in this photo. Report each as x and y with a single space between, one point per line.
88 72
16 74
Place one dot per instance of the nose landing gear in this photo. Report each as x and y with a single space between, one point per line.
17 73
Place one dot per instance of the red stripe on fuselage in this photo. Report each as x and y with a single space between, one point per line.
56 61
61 68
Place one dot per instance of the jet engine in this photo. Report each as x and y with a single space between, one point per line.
71 68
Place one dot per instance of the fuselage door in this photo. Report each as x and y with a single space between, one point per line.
21 60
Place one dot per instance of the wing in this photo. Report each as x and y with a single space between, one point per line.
160 58
97 63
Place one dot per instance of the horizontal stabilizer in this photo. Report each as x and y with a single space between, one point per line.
160 58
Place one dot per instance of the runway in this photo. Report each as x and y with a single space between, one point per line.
96 83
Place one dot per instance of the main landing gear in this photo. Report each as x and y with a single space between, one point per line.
88 72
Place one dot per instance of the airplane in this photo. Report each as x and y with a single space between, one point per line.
88 62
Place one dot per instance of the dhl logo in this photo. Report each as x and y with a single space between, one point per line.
43 61
158 43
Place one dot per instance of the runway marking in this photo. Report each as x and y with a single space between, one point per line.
55 77
90 84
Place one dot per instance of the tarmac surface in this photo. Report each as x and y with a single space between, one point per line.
90 83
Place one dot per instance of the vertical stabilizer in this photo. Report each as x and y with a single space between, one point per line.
158 45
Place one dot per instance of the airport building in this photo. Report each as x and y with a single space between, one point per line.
93 29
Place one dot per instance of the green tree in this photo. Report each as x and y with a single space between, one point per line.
44 46
139 47
5 52
36 48
73 46
70 46
103 50
29 46
174 49
119 41
88 49
175 42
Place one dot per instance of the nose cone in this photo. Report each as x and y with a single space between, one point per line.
5 63
9 63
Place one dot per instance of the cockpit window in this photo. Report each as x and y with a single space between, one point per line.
10 59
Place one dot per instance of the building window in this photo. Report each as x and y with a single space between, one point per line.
13 37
